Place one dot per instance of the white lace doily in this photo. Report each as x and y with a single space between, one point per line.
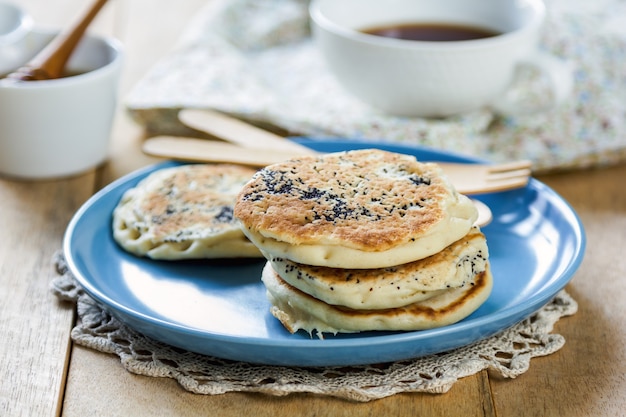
507 354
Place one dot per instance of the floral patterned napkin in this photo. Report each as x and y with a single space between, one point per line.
254 59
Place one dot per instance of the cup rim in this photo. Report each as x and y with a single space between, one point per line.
111 43
323 22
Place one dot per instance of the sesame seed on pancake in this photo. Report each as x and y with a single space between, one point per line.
395 286
356 209
184 212
297 310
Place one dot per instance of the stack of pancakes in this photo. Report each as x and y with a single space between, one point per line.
364 240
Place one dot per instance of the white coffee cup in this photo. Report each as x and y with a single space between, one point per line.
435 78
61 127
15 25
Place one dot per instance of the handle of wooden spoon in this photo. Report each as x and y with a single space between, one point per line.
201 150
50 62
237 131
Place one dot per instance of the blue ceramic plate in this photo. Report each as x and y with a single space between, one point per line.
219 308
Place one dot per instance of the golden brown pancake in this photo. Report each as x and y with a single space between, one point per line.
184 212
297 310
395 286
357 209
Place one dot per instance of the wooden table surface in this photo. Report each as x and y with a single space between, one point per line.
43 374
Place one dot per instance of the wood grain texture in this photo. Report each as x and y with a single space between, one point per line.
34 341
587 377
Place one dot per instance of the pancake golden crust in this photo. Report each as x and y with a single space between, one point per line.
339 196
395 286
297 310
184 212
363 202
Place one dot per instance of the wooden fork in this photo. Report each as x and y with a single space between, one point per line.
467 178
488 178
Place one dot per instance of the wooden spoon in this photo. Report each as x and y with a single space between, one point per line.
50 62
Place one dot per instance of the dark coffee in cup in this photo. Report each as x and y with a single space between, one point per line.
432 32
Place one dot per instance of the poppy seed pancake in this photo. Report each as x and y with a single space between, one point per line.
356 209
297 310
184 212
395 286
